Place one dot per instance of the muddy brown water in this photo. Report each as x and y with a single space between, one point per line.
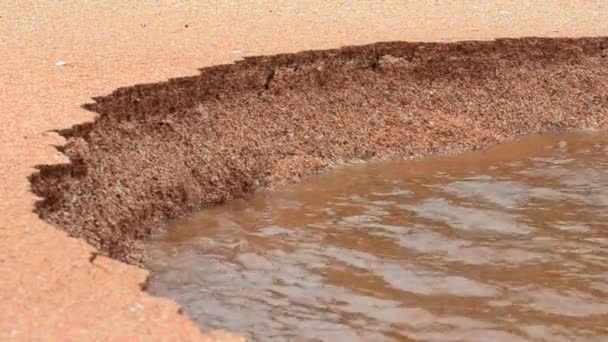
509 243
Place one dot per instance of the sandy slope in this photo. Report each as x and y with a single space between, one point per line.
48 287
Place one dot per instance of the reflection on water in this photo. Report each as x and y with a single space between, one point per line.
510 243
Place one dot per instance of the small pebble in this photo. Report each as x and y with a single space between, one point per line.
60 63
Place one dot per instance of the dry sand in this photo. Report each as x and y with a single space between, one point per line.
49 288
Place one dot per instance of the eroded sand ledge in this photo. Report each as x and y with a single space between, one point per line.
158 151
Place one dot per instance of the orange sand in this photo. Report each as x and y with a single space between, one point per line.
48 287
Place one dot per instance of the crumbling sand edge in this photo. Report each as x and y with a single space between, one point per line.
158 151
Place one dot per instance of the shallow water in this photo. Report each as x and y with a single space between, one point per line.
509 243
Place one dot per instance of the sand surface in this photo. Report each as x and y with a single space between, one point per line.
49 288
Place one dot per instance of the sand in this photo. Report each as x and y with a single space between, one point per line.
49 287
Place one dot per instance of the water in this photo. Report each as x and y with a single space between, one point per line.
510 243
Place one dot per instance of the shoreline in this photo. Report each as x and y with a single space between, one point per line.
159 151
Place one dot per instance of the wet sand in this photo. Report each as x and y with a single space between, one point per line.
158 151
51 286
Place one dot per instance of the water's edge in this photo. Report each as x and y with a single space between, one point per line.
161 150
